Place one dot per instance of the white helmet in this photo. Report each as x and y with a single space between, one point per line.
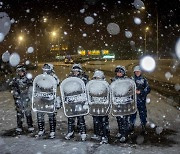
21 68
120 68
98 74
48 67
137 68
77 67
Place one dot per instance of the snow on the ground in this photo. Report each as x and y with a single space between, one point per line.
163 127
159 112
32 146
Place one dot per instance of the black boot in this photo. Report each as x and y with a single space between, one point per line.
52 124
41 123
70 133
96 126
82 127
41 129
78 127
107 126
82 124
29 122
119 122
123 128
20 118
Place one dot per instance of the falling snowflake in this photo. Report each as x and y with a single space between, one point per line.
137 21
177 48
113 28
1 37
89 20
14 59
30 50
148 63
5 56
128 34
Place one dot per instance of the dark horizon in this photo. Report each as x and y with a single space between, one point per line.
66 17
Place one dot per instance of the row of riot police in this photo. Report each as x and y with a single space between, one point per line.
79 97
21 88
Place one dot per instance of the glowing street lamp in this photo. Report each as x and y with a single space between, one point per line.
20 38
146 30
44 19
157 30
55 38
54 34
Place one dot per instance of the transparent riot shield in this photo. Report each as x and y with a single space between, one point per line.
44 93
98 97
123 97
74 97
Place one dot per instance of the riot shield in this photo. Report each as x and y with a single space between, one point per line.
44 93
74 97
98 97
123 97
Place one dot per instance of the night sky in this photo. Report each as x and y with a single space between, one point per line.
66 16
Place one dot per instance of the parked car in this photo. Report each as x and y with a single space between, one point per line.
68 61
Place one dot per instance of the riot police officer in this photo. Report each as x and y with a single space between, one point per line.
47 69
20 86
142 90
123 121
77 71
101 123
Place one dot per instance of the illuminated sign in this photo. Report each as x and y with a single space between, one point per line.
93 52
82 52
105 52
112 56
58 48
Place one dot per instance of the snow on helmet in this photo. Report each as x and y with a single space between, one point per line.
137 68
48 67
98 74
120 68
77 67
21 68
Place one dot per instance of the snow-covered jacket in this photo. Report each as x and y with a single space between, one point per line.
20 85
143 86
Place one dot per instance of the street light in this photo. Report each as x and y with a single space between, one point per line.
55 43
20 38
53 34
21 44
157 31
44 19
146 30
